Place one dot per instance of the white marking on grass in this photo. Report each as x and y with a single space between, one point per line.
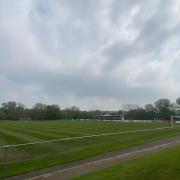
87 136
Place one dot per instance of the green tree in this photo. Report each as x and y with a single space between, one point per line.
163 108
178 106
178 101
38 111
12 110
52 111
151 111
72 112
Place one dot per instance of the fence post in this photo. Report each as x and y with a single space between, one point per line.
5 163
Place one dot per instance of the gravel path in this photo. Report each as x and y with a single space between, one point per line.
67 171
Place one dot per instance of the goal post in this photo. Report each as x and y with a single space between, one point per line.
174 120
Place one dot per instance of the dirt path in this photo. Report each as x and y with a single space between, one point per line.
67 171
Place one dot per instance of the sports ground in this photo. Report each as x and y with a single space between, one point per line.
97 138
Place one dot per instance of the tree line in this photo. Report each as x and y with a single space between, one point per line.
162 109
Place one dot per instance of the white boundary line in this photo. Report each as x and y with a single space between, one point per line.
87 136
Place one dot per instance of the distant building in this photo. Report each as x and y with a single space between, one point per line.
109 117
24 118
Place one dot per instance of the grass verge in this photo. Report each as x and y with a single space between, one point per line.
162 165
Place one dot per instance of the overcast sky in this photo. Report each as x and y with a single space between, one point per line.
89 53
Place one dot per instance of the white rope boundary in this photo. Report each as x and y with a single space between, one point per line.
87 136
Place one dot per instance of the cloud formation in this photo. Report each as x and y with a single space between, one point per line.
89 53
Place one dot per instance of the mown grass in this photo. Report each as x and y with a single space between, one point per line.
29 158
163 165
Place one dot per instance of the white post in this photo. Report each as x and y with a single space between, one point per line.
123 116
172 125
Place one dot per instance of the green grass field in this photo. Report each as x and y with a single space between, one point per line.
33 157
162 165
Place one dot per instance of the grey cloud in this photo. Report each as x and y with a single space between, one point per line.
122 7
72 48
86 86
72 30
155 32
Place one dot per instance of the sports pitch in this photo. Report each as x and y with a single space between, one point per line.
32 157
